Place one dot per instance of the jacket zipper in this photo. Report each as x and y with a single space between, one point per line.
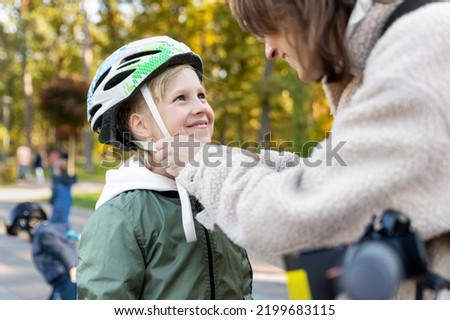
210 265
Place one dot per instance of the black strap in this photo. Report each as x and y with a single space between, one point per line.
405 7
168 194
431 281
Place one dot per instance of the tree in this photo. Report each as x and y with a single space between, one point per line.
63 103
249 100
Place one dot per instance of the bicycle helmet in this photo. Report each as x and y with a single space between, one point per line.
24 216
123 73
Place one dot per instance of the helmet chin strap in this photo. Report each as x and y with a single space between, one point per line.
186 210
154 111
359 12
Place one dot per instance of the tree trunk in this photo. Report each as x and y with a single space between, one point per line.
27 79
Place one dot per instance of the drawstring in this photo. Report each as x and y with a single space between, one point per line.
186 215
186 210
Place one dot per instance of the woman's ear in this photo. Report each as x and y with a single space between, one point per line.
139 126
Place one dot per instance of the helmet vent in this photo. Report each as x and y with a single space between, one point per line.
94 109
118 79
127 64
139 54
101 79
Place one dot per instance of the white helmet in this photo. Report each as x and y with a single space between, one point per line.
122 74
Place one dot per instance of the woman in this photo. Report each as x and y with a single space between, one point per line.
390 98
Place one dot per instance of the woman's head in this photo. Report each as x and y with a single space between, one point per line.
310 35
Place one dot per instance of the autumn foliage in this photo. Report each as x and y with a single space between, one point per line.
63 102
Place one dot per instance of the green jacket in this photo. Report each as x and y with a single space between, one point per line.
134 247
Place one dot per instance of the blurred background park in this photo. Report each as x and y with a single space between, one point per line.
50 49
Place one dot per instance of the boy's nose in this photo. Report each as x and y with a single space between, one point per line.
271 53
200 107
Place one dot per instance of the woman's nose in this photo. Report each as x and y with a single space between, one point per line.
271 53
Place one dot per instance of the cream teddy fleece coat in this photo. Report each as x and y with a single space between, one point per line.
391 140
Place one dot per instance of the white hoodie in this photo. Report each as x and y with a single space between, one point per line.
133 175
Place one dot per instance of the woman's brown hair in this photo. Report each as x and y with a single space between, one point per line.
321 23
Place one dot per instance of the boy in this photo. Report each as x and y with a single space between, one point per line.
142 241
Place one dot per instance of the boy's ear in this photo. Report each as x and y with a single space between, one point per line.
139 126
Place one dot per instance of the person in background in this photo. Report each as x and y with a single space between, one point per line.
388 149
61 195
53 157
55 256
38 165
142 241
24 157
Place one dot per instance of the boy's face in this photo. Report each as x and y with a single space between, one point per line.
184 108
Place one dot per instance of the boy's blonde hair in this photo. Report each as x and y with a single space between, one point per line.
158 85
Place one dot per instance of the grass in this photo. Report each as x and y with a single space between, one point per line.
85 200
97 175
88 200
82 200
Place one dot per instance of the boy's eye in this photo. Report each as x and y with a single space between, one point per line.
180 98
202 96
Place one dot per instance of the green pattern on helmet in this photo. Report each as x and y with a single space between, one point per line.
147 65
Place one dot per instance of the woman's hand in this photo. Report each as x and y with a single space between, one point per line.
175 152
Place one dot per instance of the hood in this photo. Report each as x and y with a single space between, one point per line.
133 175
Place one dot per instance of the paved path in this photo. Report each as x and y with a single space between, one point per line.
19 279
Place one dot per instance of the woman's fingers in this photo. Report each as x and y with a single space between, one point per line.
175 152
161 148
